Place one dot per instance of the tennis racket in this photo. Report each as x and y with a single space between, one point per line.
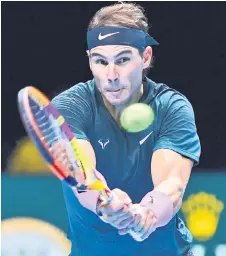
47 127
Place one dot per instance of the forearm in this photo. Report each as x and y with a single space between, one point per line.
177 207
170 174
165 200
174 188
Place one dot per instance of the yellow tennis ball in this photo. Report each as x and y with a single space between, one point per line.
137 117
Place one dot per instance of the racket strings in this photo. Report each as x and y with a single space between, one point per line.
56 140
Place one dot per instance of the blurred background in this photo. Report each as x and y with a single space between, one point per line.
44 44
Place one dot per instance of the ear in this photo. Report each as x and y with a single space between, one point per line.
88 55
147 56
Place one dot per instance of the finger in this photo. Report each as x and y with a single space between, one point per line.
123 231
112 208
125 223
117 218
148 233
140 225
120 193
149 226
122 196
136 221
121 220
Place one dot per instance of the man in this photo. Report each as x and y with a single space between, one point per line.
149 169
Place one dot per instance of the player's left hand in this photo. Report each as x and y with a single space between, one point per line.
143 224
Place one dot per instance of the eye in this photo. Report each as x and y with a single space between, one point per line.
101 62
123 60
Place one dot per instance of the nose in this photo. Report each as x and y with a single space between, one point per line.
112 74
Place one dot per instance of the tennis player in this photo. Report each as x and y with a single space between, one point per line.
149 169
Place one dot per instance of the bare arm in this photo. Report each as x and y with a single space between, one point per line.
121 214
170 174
89 151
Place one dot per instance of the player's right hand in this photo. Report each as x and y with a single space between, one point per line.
144 223
117 213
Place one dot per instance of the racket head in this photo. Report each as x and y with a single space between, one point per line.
40 119
47 127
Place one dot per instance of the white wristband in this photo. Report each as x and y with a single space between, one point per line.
161 205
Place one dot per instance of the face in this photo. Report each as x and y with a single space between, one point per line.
117 71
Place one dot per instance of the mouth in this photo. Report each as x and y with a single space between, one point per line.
114 90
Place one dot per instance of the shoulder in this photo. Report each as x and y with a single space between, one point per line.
84 90
165 97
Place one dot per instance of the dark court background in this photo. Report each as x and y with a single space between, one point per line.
44 44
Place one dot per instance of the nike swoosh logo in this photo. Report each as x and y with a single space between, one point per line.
145 138
100 37
81 191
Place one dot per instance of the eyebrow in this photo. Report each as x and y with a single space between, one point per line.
102 56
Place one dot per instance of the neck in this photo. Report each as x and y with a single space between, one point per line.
116 111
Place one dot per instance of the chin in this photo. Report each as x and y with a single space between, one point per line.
117 99
117 102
